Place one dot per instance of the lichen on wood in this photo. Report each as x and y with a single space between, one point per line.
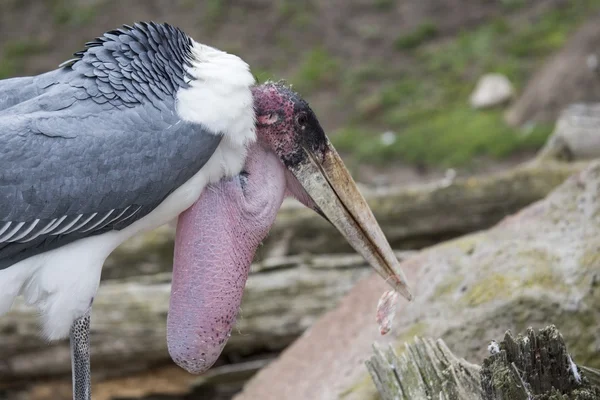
427 369
534 366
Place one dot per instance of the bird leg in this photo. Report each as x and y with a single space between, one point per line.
80 357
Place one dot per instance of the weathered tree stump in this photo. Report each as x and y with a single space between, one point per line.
425 370
534 366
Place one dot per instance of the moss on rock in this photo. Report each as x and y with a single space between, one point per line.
537 267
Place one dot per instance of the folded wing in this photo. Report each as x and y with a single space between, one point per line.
76 161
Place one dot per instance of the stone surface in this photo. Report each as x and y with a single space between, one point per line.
537 267
576 135
492 90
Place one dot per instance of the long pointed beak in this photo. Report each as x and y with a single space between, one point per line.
330 185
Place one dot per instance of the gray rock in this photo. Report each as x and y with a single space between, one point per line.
491 90
535 268
576 135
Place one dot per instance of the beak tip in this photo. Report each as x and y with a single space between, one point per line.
405 292
398 281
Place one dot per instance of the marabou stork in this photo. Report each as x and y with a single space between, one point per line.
123 138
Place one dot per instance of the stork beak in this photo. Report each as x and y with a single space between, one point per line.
327 181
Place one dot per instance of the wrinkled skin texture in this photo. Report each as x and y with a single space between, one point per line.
286 124
222 231
217 237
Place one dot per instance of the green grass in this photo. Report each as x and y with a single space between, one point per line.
545 35
444 138
428 106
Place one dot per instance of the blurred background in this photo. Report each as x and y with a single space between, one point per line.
410 92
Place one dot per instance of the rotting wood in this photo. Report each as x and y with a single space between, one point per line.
534 366
426 369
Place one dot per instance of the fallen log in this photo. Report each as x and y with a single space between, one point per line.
283 297
411 217
532 366
168 382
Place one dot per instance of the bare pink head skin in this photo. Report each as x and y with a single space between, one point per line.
216 238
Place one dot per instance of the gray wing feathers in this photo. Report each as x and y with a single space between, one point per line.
23 232
96 144
16 90
99 161
71 167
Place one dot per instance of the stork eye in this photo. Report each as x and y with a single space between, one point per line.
301 120
244 179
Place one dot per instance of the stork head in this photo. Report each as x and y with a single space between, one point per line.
218 236
317 176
